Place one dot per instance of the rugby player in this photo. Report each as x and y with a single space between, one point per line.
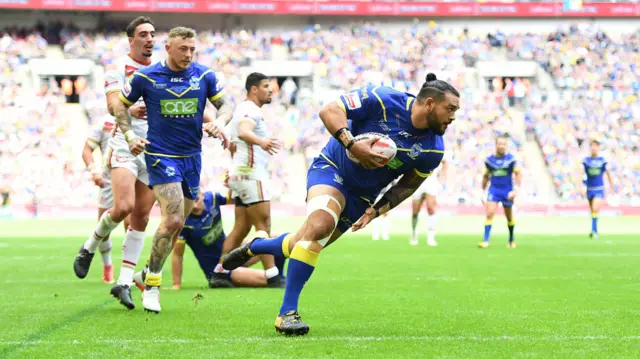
595 166
500 174
339 191
128 173
249 175
175 91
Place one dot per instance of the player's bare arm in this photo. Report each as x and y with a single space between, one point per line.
137 111
171 201
610 179
335 120
87 157
405 187
518 180
123 119
246 134
225 109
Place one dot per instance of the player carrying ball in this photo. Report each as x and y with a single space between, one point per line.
340 191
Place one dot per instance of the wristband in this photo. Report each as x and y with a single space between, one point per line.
345 137
129 135
93 169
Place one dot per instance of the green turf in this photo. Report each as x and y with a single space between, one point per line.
553 296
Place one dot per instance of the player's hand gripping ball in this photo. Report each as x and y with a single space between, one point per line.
383 146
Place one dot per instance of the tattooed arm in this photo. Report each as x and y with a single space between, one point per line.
128 96
405 187
225 109
394 196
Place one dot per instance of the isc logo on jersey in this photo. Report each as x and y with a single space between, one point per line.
179 106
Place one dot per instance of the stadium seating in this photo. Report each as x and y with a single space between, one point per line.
597 95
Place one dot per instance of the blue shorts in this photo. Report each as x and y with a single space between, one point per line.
595 193
322 172
185 170
501 197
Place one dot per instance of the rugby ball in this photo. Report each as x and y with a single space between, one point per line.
384 146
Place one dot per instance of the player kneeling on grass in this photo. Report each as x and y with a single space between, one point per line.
340 190
203 233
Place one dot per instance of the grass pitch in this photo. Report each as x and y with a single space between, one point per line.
559 296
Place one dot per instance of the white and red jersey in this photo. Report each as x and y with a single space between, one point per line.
117 79
100 133
249 160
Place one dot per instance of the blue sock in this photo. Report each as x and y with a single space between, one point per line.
273 246
594 223
511 226
301 266
487 231
280 264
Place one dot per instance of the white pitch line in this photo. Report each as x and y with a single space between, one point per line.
156 341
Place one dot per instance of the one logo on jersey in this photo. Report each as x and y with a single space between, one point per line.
415 151
158 86
107 83
194 191
353 100
337 178
170 171
219 85
395 163
594 171
365 95
405 134
179 107
177 79
195 83
346 221
499 172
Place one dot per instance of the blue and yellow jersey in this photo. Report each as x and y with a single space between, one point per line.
205 231
594 168
386 111
175 103
501 170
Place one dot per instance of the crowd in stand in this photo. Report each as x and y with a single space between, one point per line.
597 79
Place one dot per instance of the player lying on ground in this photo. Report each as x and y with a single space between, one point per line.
127 171
427 192
203 233
339 191
175 91
249 174
501 171
595 166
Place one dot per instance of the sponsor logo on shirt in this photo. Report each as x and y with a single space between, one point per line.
353 100
179 107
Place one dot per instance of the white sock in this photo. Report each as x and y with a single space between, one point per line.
431 227
272 272
105 251
385 227
219 269
103 229
131 249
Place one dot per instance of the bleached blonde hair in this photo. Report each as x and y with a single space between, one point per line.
182 33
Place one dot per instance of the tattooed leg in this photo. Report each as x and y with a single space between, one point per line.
172 207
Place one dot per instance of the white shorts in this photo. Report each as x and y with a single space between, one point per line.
105 199
120 157
249 191
430 187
